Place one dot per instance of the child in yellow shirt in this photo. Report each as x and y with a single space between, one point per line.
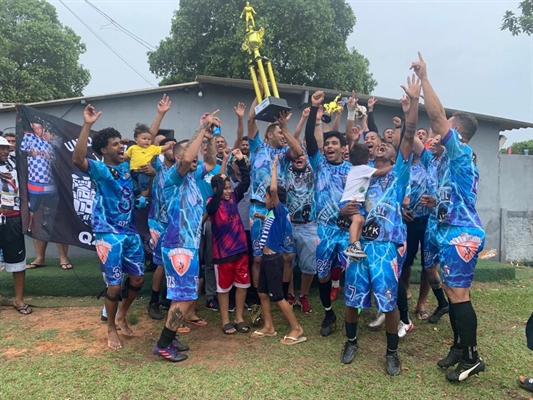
141 154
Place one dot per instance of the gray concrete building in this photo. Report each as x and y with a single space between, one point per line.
505 201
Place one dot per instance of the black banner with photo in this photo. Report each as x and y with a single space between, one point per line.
56 198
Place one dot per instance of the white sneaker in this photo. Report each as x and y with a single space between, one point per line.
404 329
380 319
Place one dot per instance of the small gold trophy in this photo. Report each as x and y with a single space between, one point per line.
330 108
270 106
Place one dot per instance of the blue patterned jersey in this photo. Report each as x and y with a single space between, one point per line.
261 158
418 187
458 180
431 163
300 187
384 198
158 208
185 208
114 200
204 184
330 180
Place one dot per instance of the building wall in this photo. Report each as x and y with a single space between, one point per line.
123 112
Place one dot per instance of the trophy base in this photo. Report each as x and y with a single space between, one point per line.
270 108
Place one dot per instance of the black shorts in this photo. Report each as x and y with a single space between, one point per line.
12 243
415 236
271 276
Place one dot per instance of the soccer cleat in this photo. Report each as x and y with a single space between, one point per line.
453 357
355 250
180 346
304 304
348 353
334 293
169 353
212 304
438 314
327 325
404 329
291 300
154 311
378 321
464 370
394 366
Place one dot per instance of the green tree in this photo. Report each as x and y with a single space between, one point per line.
306 41
519 147
38 55
519 24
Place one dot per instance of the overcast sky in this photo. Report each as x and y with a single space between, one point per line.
472 65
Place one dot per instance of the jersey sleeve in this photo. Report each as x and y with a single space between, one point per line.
454 147
26 143
366 171
255 143
315 160
155 150
201 171
97 170
402 169
173 177
129 152
425 158
280 211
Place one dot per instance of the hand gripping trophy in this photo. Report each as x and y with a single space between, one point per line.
270 106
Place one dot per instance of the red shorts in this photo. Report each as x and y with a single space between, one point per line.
233 273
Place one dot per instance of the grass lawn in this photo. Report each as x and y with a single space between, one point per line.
60 352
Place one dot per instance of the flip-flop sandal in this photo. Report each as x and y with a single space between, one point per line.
229 329
259 335
184 329
293 340
527 384
32 265
65 266
422 315
242 327
24 310
197 322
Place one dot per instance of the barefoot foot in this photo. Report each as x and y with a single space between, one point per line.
113 341
123 326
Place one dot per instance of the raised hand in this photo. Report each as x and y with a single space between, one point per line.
414 87
240 109
372 102
211 120
405 101
419 67
305 112
227 152
319 114
90 116
397 121
317 98
282 118
238 154
164 104
352 102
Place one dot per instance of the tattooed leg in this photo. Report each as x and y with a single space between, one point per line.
176 314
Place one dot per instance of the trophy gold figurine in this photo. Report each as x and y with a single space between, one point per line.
269 107
331 108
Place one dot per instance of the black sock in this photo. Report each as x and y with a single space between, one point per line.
167 336
155 297
456 341
439 294
392 343
351 331
402 303
286 289
324 290
466 321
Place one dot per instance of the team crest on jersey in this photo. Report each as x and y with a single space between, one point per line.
388 295
102 249
467 246
154 234
394 265
181 260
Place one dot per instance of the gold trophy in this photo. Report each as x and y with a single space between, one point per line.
270 106
331 108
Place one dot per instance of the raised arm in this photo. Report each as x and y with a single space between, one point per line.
162 107
411 118
274 183
292 142
434 108
350 106
301 123
239 111
192 148
397 137
252 123
310 140
90 116
371 122
244 183
214 203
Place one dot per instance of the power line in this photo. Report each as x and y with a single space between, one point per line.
107 44
124 30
